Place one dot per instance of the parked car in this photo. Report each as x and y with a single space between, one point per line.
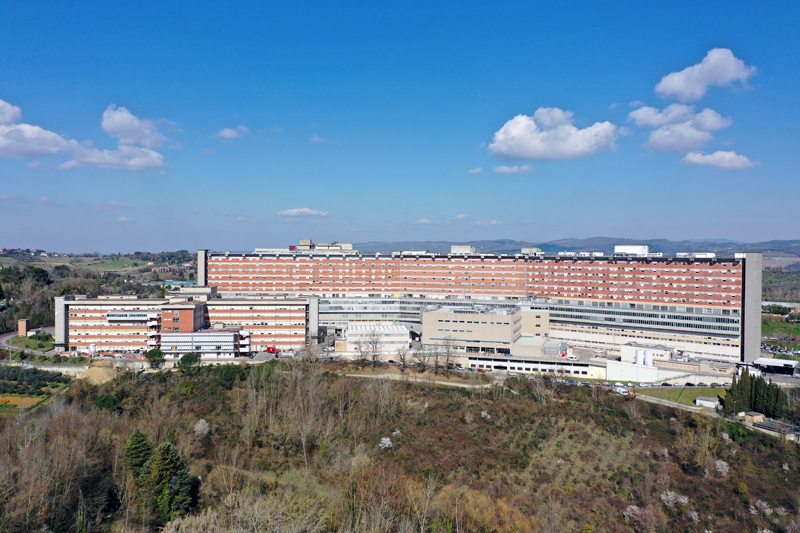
718 385
688 384
573 382
597 350
618 384
701 384
470 370
666 384
482 371
572 357
586 384
643 385
512 374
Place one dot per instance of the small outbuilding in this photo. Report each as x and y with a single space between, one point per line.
707 402
751 417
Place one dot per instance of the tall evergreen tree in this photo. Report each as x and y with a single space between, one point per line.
138 450
166 479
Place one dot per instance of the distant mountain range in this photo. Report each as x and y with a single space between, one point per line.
598 244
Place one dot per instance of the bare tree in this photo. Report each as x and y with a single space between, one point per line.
402 355
448 349
373 342
421 497
436 356
422 356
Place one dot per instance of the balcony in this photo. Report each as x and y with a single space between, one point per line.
244 342
152 342
152 323
152 333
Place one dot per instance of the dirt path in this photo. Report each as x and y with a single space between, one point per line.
419 379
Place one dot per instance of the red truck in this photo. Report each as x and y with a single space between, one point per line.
273 350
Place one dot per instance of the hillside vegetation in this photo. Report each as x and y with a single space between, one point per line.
289 447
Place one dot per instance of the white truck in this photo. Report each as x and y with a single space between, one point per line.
622 391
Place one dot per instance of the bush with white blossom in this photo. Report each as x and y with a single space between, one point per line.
386 444
723 468
201 429
486 415
670 498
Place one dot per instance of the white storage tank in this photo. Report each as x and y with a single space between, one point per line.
640 357
648 358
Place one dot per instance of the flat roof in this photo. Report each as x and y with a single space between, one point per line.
473 311
768 361
377 327
422 254
706 399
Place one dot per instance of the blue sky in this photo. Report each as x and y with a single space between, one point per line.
165 125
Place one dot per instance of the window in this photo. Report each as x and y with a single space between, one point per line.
176 320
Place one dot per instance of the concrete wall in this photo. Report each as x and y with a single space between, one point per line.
202 268
483 330
618 371
535 322
61 336
751 307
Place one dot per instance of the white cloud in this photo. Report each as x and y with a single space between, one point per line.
302 212
550 136
636 103
9 113
679 128
232 133
130 129
316 139
423 221
244 218
677 138
108 206
475 170
613 106
124 219
35 164
726 160
461 217
489 223
653 118
123 157
718 69
45 200
710 120
24 140
502 169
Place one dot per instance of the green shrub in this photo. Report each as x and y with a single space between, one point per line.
107 402
228 374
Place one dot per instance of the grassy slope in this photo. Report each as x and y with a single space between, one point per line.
687 394
31 344
613 451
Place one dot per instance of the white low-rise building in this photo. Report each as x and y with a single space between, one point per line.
384 339
219 343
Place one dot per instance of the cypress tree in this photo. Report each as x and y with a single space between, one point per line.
166 478
137 451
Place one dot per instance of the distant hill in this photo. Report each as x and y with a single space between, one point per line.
600 244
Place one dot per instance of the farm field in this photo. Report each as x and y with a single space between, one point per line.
10 404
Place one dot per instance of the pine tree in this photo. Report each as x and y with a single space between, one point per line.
137 451
166 478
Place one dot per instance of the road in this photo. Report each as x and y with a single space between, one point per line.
421 379
7 337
